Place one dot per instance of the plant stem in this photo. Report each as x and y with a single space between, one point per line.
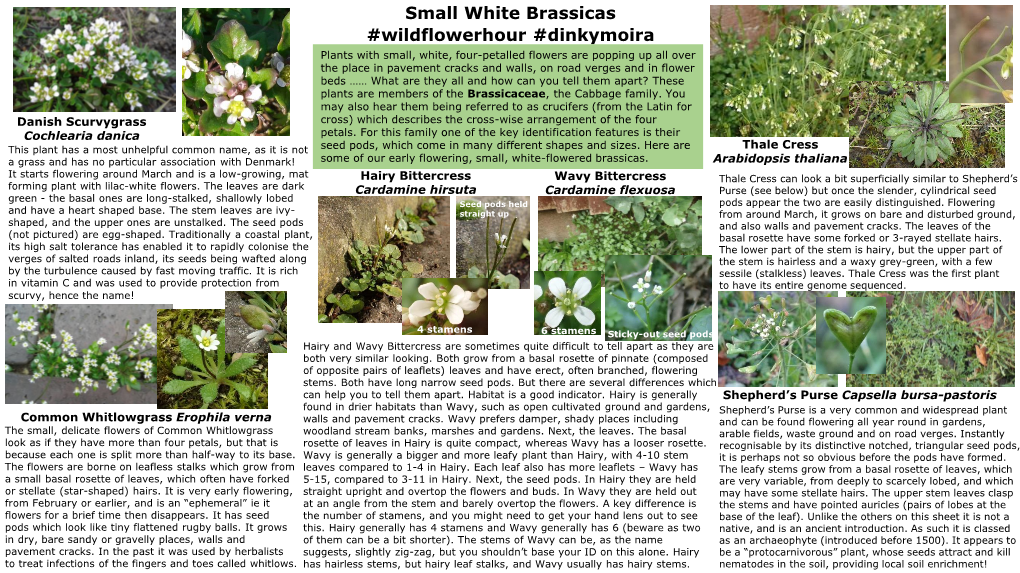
980 64
487 244
851 368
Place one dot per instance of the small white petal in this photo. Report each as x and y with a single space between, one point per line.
558 287
554 317
537 291
584 315
429 291
454 314
419 309
457 293
582 287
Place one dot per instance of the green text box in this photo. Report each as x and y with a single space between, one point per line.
500 107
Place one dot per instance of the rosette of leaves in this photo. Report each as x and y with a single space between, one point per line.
411 223
266 312
207 373
374 269
257 40
923 131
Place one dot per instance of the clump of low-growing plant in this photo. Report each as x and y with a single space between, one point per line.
266 312
411 223
646 225
56 355
206 367
795 78
376 268
923 131
90 67
236 72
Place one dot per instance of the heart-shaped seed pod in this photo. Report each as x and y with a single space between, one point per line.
851 331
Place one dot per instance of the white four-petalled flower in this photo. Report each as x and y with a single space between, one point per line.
568 302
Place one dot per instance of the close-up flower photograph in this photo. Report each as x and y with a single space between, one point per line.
658 297
492 240
445 306
235 71
194 370
94 59
568 302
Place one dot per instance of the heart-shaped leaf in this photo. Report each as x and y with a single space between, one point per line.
851 331
284 45
232 45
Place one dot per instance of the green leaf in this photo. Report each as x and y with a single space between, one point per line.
210 124
639 212
345 319
391 251
347 302
413 267
238 366
231 45
209 393
331 298
266 77
192 24
277 349
180 370
243 390
284 46
323 318
951 130
221 350
282 96
190 351
749 369
391 290
194 87
671 217
178 386
510 281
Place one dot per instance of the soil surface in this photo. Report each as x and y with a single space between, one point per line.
521 269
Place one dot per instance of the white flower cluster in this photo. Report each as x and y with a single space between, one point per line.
96 50
234 95
768 324
58 355
568 301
